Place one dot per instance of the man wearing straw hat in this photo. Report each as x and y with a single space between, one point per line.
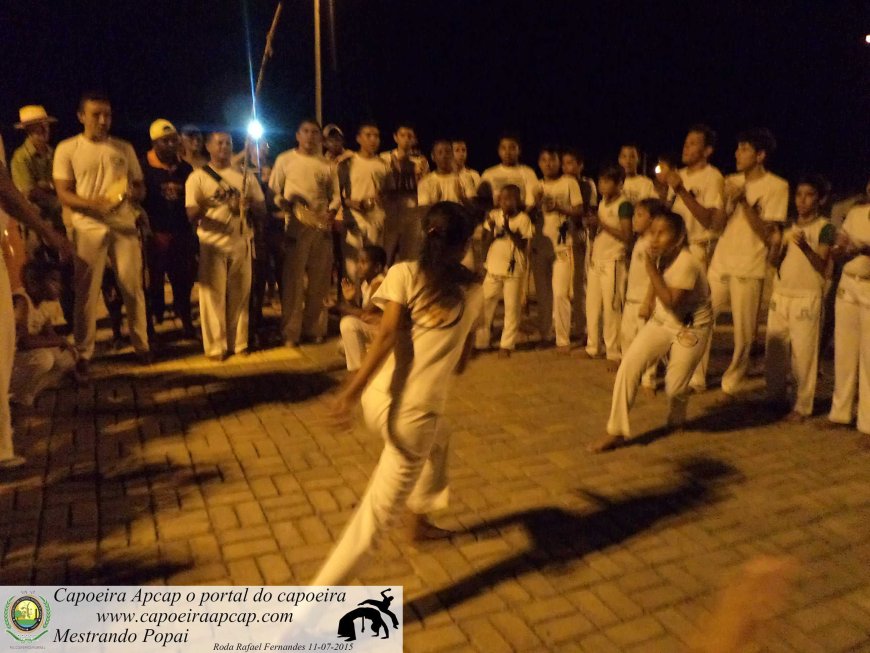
31 163
31 173
98 178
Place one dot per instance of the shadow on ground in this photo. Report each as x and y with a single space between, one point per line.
560 538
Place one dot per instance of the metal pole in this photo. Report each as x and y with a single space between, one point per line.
318 82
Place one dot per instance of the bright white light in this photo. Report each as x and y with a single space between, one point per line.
867 39
255 129
658 170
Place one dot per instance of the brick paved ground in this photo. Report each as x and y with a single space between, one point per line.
192 472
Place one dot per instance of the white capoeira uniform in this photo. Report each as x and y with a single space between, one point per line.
308 247
405 403
707 186
553 260
635 295
224 261
737 271
38 369
852 328
638 187
357 335
680 334
521 176
100 169
605 281
794 316
367 177
506 267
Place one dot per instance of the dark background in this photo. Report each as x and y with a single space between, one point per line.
588 74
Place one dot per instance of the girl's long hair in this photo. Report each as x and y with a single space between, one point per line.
447 228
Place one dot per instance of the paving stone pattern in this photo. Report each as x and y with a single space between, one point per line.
193 472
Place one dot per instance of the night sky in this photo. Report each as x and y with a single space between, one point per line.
587 74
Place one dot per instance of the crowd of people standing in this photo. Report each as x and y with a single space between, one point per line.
635 269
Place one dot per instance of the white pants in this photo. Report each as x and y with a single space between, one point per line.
494 286
7 356
412 472
852 352
792 345
36 370
553 272
743 295
224 291
631 325
605 296
683 346
94 243
356 336
307 274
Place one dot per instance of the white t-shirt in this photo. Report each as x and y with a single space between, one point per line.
308 176
220 227
470 177
564 191
418 371
638 188
391 158
857 227
638 278
503 251
686 273
707 185
740 251
519 175
99 169
367 175
436 187
606 247
366 289
796 275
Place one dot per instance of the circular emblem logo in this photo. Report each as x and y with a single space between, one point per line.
27 617
26 614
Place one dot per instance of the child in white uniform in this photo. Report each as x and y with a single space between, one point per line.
42 357
636 187
552 249
756 202
508 230
430 310
852 322
679 328
360 322
605 278
801 259
511 172
639 300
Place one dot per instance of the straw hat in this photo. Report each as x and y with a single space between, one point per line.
32 114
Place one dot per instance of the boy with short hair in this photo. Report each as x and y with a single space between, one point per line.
756 203
469 176
801 262
507 231
636 187
360 316
511 171
573 164
606 276
361 178
42 358
560 209
444 184
402 233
